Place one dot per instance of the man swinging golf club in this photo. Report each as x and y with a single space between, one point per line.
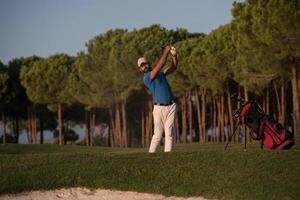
165 107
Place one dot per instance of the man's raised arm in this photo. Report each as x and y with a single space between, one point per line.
161 62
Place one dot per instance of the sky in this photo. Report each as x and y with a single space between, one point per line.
46 27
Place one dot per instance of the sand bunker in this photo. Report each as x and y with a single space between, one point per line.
87 194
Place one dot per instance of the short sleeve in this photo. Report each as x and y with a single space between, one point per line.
147 79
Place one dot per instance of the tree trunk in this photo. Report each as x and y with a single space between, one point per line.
17 133
4 128
143 129
30 127
222 119
296 114
41 131
112 128
211 121
203 118
90 116
16 129
29 133
125 137
177 140
34 125
147 138
282 96
229 110
118 126
226 131
268 102
201 138
215 119
92 121
66 132
183 113
150 106
60 125
246 130
94 125
190 115
149 123
219 119
87 128
110 137
278 104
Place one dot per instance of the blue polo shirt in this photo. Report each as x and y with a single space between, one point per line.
159 87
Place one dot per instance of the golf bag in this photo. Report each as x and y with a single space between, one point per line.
263 127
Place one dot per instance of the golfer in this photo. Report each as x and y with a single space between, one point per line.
165 107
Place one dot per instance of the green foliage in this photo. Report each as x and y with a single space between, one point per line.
275 23
88 83
266 37
212 58
184 77
3 84
150 41
120 66
14 70
16 98
94 78
46 80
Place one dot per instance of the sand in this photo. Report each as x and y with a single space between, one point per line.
87 194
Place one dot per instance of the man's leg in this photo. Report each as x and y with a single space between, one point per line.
170 127
158 128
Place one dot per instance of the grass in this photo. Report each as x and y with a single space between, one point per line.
191 170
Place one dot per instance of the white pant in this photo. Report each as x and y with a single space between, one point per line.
164 120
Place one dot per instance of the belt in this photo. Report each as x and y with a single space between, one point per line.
165 104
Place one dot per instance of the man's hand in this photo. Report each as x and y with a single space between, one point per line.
173 51
167 49
173 67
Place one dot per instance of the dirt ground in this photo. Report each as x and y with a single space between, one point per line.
87 194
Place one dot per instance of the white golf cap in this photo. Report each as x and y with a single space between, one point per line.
142 60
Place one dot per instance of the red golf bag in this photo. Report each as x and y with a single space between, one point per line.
263 127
